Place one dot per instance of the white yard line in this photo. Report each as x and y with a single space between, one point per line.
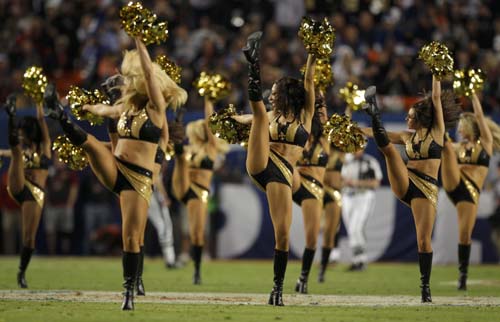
245 299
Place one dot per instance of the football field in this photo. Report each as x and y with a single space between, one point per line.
89 289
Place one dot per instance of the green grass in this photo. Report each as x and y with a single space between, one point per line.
240 277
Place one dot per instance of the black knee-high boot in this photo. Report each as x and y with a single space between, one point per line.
325 256
55 110
10 108
139 283
307 259
280 261
251 51
463 265
425 262
196 252
130 263
26 253
371 108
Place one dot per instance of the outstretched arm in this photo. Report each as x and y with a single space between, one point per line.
309 87
394 137
438 125
209 110
111 111
484 130
153 89
45 131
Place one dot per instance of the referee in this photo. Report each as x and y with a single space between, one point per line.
361 175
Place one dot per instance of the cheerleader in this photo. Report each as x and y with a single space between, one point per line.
308 188
27 175
191 179
463 172
275 144
128 169
415 183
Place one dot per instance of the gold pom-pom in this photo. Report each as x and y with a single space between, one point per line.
70 154
437 57
34 83
344 134
138 21
323 76
353 96
172 69
468 82
214 86
318 37
224 126
77 97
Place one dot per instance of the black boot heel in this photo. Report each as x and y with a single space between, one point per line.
371 108
276 296
462 282
140 287
21 280
426 293
301 286
128 296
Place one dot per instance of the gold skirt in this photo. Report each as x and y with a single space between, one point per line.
312 186
471 187
31 191
278 170
421 186
140 182
334 195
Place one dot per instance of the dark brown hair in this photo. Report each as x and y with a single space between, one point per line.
424 110
290 96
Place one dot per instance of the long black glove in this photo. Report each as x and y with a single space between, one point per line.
251 51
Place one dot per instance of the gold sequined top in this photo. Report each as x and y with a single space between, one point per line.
292 132
138 127
475 155
33 160
423 149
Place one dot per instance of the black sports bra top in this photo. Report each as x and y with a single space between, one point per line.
424 149
199 161
314 157
289 133
475 155
35 161
334 162
138 127
159 156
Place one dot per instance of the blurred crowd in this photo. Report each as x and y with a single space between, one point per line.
81 43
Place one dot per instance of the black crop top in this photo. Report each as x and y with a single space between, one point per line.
201 162
160 155
424 149
289 133
334 162
314 157
475 155
35 161
138 127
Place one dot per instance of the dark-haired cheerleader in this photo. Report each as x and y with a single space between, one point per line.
463 171
275 144
28 170
127 170
415 183
308 189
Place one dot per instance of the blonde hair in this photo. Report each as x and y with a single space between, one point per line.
197 135
135 83
468 123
